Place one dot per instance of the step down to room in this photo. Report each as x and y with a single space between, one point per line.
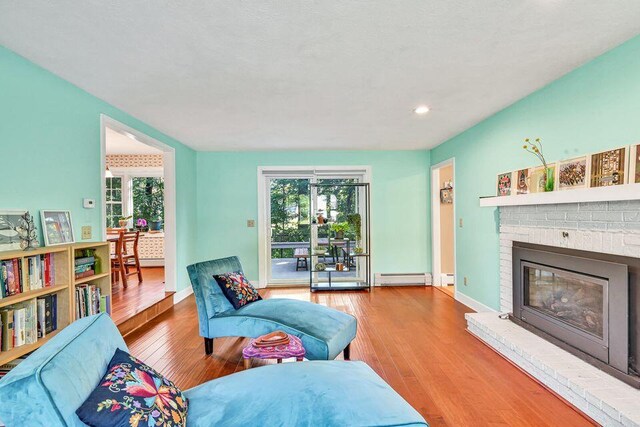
146 314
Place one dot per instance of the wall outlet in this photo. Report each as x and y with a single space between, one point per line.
460 222
251 223
86 232
465 281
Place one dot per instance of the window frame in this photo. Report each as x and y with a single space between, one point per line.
127 175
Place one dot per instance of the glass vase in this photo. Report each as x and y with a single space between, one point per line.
549 182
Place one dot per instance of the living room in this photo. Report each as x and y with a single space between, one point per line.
429 212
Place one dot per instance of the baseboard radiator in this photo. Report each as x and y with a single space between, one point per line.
402 279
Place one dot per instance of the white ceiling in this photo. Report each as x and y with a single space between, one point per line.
118 143
285 74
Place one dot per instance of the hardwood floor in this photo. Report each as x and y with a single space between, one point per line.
413 337
136 297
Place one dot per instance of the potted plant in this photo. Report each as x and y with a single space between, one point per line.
155 224
339 228
123 221
141 224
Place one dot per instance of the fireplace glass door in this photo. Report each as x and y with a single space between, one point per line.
576 300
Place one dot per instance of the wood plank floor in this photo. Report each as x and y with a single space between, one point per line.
413 337
136 297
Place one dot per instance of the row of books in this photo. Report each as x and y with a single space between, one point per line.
90 301
41 273
26 322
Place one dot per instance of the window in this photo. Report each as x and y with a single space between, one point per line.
148 198
114 201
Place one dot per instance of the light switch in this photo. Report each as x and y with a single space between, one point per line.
251 223
86 232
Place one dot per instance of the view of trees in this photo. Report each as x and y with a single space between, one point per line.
148 198
290 204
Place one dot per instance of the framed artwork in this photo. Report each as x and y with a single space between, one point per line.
522 181
9 235
57 227
609 167
446 195
538 178
634 164
573 173
505 184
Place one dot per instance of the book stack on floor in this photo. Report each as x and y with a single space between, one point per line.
27 322
86 263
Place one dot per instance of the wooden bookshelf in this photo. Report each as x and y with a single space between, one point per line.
61 257
101 279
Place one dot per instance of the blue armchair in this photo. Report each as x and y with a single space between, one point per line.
324 332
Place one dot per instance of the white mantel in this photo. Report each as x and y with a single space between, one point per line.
581 195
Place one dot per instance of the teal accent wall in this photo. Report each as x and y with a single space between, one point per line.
593 108
50 152
228 197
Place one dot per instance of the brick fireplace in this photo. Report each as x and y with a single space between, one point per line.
608 230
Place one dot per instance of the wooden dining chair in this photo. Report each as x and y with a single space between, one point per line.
126 261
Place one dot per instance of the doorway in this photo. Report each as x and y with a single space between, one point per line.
285 220
138 193
443 226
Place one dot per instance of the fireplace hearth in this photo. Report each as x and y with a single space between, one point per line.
582 302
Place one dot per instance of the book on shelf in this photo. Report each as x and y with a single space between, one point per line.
86 263
22 322
8 366
90 301
41 271
10 277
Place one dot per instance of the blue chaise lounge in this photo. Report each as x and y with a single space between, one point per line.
48 387
324 332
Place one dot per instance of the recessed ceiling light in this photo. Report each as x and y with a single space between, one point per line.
421 109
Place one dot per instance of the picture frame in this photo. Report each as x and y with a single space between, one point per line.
522 181
9 236
634 164
609 167
573 173
57 227
446 195
504 184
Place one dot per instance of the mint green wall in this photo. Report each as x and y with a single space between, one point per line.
50 151
228 196
595 107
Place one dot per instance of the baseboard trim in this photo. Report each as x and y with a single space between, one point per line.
473 304
180 295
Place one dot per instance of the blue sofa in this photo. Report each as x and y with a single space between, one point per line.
324 332
48 387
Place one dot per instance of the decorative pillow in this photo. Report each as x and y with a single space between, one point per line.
131 394
237 289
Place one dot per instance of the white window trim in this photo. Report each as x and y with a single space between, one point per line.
265 173
127 174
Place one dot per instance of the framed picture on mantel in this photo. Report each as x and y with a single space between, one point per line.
505 183
573 173
634 164
609 167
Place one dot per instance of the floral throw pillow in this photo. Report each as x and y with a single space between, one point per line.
237 289
131 394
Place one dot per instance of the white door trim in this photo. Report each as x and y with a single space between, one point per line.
435 223
169 161
267 172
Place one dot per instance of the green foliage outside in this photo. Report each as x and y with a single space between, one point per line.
290 216
148 198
